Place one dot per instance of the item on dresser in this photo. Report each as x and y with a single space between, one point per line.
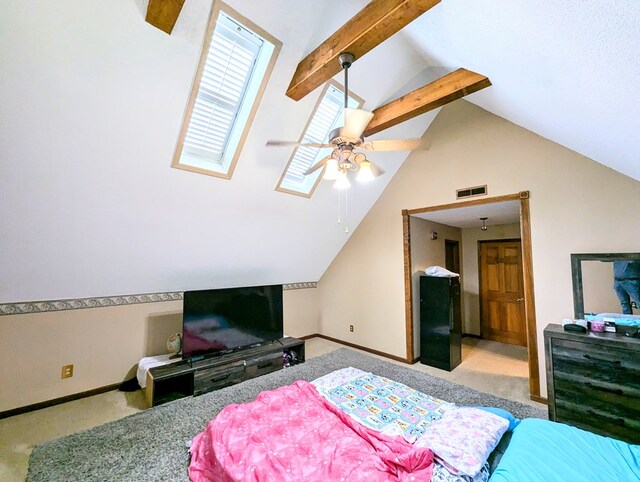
626 324
575 328
627 328
593 381
597 326
569 321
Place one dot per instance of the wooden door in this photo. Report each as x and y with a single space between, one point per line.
502 315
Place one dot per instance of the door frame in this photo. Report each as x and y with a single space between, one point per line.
480 242
527 274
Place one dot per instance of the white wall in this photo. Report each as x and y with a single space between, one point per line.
300 312
470 282
426 252
471 147
91 103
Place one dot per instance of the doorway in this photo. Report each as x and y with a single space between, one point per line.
452 255
528 303
501 291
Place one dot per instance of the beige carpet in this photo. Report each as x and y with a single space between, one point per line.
488 366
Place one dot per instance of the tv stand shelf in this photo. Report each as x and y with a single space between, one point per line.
176 380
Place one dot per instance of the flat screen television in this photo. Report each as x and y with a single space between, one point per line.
222 320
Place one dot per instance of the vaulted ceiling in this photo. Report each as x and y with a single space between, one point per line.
92 101
568 70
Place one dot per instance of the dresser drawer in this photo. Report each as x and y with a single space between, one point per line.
264 364
573 360
618 401
598 421
207 379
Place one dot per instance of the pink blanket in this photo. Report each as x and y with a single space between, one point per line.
293 433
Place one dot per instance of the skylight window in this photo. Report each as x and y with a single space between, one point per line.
236 61
326 116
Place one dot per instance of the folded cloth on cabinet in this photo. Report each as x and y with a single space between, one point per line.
440 272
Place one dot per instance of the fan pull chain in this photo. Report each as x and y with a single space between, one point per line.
339 207
346 211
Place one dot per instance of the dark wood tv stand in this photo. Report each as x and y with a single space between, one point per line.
186 378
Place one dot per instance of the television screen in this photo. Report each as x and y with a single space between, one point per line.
221 320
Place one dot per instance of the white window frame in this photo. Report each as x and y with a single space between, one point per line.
321 152
225 167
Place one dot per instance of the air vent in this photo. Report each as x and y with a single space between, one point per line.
471 191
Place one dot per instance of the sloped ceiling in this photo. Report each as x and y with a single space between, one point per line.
92 99
567 70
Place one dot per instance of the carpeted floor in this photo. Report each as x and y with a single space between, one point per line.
152 445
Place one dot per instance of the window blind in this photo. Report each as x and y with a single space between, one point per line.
227 72
324 119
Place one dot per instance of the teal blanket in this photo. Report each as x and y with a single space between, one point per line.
543 451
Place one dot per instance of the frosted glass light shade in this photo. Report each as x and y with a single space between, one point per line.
331 171
365 174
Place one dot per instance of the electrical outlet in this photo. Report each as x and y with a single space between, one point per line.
67 371
351 328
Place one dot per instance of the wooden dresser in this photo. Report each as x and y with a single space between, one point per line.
593 381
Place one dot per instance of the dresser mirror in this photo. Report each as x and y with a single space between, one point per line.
605 283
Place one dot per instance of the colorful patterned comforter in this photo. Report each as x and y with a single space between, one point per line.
294 433
383 404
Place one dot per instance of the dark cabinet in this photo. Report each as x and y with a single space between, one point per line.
440 322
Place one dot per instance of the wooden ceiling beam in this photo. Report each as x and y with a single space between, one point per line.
371 26
436 94
163 14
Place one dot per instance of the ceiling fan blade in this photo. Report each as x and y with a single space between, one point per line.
291 144
392 145
355 122
317 165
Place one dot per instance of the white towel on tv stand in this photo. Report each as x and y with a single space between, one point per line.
152 361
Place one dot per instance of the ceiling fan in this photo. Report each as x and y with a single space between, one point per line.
347 139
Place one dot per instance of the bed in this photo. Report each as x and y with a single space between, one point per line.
354 425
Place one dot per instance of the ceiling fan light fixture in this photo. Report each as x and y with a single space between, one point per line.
342 182
365 174
331 172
